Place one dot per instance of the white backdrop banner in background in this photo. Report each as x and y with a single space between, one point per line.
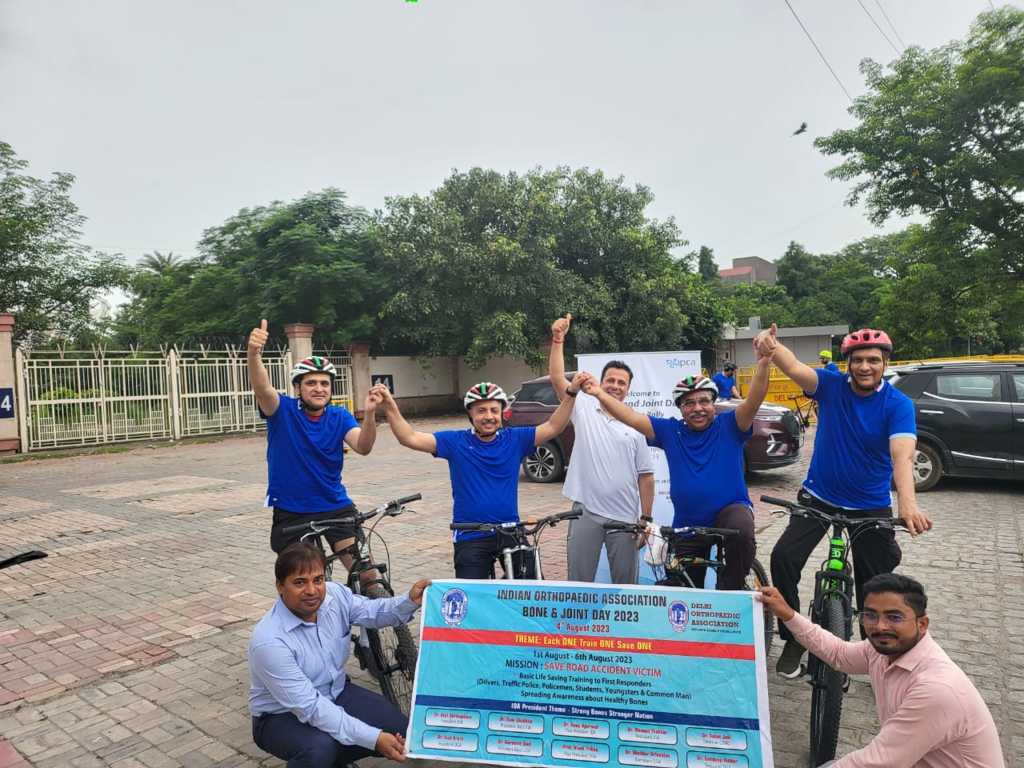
654 376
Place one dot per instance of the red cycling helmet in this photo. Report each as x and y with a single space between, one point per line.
864 338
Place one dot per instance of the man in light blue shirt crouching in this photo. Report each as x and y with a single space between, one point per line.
304 708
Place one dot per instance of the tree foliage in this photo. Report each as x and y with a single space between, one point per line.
305 261
49 280
483 264
942 134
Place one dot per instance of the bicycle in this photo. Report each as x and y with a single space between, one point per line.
388 653
806 410
676 565
523 538
832 609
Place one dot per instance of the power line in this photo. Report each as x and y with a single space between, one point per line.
891 25
822 55
878 26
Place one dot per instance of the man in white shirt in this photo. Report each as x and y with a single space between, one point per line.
611 476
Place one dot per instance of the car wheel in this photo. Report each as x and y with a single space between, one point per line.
927 467
544 465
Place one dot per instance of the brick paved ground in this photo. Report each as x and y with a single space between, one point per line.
126 646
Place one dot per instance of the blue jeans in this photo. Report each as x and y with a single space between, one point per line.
304 746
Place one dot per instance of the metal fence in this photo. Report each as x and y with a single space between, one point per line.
77 398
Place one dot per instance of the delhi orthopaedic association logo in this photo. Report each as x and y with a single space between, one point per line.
678 615
454 605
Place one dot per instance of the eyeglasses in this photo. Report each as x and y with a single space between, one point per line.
702 402
893 618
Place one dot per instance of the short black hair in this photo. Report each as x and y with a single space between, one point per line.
617 364
299 557
729 366
910 589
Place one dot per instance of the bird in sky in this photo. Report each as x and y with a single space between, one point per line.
801 129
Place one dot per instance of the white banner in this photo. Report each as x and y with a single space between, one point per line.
654 376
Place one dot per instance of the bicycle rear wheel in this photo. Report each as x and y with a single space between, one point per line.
756 579
827 689
394 655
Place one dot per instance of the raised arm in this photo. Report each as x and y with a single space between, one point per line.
361 439
786 361
747 410
266 395
556 358
559 420
619 410
402 430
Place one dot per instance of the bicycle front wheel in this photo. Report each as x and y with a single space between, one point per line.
394 656
756 579
827 689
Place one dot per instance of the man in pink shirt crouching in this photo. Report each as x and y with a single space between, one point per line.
932 716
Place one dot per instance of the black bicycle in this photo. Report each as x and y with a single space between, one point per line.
676 566
519 543
832 609
388 653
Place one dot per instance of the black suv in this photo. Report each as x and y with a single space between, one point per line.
776 442
970 419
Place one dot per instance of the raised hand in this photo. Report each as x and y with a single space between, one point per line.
258 337
766 341
374 397
585 382
560 328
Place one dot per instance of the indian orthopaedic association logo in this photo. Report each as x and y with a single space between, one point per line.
678 615
454 605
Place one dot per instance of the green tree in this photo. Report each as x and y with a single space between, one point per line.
47 278
483 264
309 260
941 133
706 266
799 271
160 262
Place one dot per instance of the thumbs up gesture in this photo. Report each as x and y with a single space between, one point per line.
258 337
560 327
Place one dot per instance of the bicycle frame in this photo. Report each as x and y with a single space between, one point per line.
835 578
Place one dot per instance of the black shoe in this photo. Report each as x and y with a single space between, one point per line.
788 665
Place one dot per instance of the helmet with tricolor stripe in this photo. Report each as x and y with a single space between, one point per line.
485 390
693 384
313 364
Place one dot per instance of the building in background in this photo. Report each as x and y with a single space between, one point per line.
806 341
750 269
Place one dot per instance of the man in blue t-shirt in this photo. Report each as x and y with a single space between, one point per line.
705 462
726 382
483 463
825 356
304 445
865 442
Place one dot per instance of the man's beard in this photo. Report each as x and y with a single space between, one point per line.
893 650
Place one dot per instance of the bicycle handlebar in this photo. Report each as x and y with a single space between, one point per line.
799 510
668 532
391 508
526 526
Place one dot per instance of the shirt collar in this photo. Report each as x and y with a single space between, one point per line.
924 648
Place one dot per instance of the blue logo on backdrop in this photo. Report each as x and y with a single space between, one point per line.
678 615
454 605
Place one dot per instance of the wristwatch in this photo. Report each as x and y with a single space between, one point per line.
570 393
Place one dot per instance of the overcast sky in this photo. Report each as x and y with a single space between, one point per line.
174 115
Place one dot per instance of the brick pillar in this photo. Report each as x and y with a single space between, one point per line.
9 441
300 340
360 375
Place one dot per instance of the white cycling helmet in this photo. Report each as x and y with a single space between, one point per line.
485 390
314 365
693 384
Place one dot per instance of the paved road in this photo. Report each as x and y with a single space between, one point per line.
126 646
